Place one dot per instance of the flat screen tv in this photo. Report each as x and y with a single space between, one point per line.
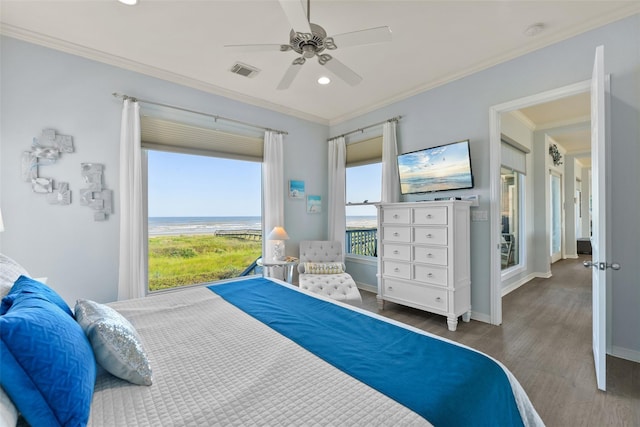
442 168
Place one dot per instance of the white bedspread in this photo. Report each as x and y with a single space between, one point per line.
215 365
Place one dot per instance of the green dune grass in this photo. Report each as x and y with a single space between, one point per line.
179 260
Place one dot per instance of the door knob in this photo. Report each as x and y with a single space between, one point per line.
602 265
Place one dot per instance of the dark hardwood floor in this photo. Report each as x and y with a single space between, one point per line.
545 340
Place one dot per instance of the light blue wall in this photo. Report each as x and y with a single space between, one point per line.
460 110
44 88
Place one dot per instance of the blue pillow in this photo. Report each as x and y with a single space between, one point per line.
27 285
47 365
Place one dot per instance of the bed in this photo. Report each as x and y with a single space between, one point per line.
259 351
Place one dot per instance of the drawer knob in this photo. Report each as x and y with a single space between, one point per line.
430 275
395 216
429 216
438 299
396 234
429 255
396 252
389 288
396 269
429 236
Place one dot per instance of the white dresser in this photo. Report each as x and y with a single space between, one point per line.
423 257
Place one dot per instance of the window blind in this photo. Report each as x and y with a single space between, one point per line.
364 152
514 156
165 135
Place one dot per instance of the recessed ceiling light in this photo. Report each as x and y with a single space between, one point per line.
534 29
129 2
324 80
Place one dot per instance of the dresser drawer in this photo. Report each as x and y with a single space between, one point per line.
396 269
418 294
430 274
430 235
399 252
396 234
430 216
430 255
396 216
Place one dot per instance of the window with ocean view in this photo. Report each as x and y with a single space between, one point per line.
363 188
204 218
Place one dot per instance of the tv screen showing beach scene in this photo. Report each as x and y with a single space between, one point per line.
441 168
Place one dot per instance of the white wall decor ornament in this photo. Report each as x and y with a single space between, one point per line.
95 195
46 150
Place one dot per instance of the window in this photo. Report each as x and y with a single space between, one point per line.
512 183
363 188
510 215
204 200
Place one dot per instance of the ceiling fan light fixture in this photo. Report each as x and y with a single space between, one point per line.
324 80
129 2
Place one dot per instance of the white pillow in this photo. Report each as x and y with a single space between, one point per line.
8 411
323 267
9 273
116 344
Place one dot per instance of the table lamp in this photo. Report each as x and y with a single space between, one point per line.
278 235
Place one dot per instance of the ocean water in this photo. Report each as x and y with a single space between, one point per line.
159 226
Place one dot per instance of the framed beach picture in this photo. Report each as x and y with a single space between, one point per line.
314 204
296 189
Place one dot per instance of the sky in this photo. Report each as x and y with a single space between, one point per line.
188 185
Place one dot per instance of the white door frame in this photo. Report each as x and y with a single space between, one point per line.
495 163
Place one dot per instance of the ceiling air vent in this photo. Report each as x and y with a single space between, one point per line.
244 69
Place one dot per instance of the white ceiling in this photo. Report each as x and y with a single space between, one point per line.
433 42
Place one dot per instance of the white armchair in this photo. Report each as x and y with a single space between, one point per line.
322 272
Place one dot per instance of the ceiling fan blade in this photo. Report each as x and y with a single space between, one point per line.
296 15
341 70
368 36
291 73
256 47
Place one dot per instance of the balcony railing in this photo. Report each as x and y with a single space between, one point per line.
362 241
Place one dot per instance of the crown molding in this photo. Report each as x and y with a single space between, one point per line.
127 64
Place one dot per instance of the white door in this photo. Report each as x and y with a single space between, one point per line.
598 237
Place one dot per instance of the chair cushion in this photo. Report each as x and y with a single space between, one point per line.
340 287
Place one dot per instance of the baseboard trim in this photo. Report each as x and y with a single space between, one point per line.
512 287
367 287
480 317
625 353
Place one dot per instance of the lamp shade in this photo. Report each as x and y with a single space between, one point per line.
278 233
1 223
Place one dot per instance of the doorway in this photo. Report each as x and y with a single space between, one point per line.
495 161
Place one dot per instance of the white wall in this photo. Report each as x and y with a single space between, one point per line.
43 88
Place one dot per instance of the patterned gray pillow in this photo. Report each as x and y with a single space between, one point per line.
9 273
116 344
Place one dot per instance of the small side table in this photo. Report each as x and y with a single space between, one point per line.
287 265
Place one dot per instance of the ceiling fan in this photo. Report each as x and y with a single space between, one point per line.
309 40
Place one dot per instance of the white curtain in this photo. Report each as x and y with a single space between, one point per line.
390 178
132 275
337 190
273 187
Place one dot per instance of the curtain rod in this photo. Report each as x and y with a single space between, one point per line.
215 117
392 119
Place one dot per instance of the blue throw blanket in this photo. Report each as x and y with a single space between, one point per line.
446 384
